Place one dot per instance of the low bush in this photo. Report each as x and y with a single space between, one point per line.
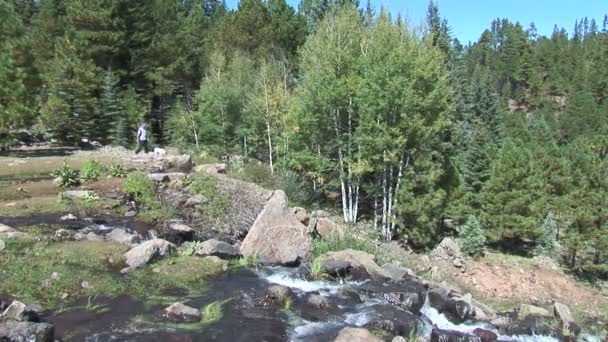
339 242
471 240
91 170
142 189
66 176
117 170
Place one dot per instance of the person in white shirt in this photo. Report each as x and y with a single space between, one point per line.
142 140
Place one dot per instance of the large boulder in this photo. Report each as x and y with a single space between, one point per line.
395 272
180 231
7 232
349 262
212 169
182 313
526 310
179 163
16 311
26 331
325 227
458 309
356 335
391 320
148 252
122 236
448 249
301 214
217 248
277 236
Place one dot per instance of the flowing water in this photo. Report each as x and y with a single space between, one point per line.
248 317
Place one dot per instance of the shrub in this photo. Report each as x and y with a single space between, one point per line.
338 242
298 192
472 241
217 203
547 241
91 170
142 189
66 176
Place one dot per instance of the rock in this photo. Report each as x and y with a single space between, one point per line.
55 276
69 217
88 237
217 248
182 231
182 313
2 245
279 292
319 213
317 301
159 177
356 335
212 169
122 236
356 263
458 309
301 214
179 163
76 193
16 311
219 263
63 234
394 272
562 312
148 252
448 249
458 263
130 213
399 339
277 236
10 233
196 200
485 335
438 335
325 227
85 285
526 310
159 152
392 320
26 331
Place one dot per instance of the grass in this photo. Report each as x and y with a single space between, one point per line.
213 312
38 167
217 202
26 269
316 269
338 242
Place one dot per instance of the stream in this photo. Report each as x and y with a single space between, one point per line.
247 315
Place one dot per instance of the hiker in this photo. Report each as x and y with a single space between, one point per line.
142 140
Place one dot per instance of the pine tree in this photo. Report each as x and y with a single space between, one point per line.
548 241
471 239
111 119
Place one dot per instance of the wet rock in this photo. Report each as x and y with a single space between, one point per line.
438 335
26 331
531 325
7 232
392 320
179 163
196 200
394 272
181 231
211 169
182 313
217 248
317 301
526 310
458 309
356 335
277 236
16 311
349 295
485 335
148 252
358 264
279 292
69 217
325 227
122 236
301 214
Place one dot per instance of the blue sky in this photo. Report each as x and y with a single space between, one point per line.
468 18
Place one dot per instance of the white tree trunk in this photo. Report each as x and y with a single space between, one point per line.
270 148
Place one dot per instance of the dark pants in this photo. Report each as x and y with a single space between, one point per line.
142 144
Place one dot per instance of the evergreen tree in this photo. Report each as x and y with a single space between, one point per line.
471 239
548 241
111 119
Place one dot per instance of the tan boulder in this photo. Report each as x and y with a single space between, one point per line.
356 335
7 232
277 236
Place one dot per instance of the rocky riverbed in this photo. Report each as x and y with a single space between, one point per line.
253 273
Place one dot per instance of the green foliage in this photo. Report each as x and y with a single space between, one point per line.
217 202
338 242
213 312
91 196
188 248
316 269
66 176
91 170
142 189
116 170
548 240
471 238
